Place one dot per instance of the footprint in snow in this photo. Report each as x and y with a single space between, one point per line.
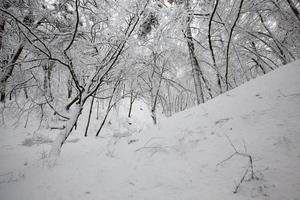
221 122
258 96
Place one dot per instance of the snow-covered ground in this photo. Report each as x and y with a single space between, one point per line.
184 157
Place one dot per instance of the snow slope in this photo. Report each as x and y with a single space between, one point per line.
181 158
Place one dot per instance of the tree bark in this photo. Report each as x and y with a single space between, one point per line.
64 134
109 107
6 5
193 60
153 109
7 72
211 48
89 118
2 25
70 87
229 40
130 104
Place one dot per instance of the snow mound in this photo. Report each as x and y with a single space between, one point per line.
185 157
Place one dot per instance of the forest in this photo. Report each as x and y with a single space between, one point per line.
81 66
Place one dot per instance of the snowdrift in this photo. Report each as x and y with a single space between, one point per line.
185 157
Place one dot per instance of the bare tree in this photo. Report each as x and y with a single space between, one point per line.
93 83
210 44
193 59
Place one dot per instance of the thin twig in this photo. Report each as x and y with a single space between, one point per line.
242 179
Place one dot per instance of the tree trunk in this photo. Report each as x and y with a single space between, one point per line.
211 47
109 107
194 62
70 87
7 72
47 78
153 109
2 25
89 118
130 104
6 5
103 122
97 116
64 134
25 91
229 40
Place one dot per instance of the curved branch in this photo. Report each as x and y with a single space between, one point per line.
76 27
29 30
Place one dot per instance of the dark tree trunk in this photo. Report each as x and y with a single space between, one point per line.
2 25
130 104
7 72
196 71
70 88
25 91
89 119
229 41
211 47
109 107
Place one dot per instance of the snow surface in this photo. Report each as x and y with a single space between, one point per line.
178 159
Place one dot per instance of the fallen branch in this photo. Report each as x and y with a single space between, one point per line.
154 148
250 166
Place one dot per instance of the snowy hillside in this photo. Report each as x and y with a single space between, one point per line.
186 157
